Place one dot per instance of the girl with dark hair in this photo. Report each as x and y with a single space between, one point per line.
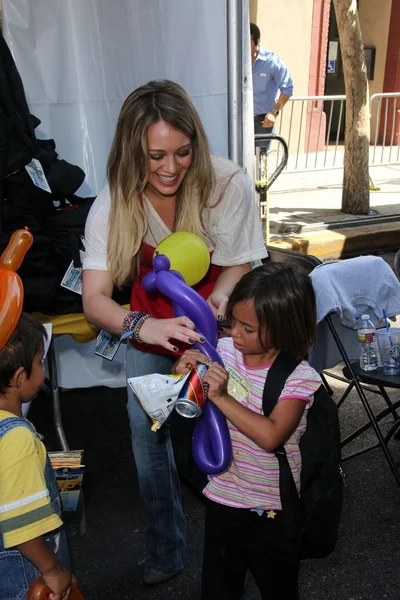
272 310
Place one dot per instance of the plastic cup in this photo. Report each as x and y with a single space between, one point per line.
389 350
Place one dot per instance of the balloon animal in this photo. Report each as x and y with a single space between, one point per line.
40 591
212 448
188 255
11 288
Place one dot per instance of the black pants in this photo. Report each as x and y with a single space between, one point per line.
258 128
237 540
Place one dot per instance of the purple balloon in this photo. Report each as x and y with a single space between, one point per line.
191 303
211 444
161 263
212 447
149 282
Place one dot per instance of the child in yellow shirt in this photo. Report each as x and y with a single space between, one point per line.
32 538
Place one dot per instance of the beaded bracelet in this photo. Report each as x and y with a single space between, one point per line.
137 328
130 320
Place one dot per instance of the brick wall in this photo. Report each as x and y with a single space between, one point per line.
392 77
316 118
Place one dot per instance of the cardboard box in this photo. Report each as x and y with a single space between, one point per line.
69 470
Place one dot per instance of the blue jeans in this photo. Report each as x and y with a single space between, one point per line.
258 128
17 573
158 477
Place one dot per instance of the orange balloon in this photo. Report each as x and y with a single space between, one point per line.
40 591
19 244
11 288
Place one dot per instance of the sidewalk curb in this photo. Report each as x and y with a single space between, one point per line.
343 243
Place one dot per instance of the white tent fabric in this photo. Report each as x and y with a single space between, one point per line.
79 60
247 96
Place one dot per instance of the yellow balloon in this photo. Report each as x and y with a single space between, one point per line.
187 253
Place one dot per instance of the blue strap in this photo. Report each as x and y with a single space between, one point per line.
11 422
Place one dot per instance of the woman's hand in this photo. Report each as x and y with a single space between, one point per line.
216 378
189 360
218 302
224 285
159 331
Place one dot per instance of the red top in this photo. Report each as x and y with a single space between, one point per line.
156 304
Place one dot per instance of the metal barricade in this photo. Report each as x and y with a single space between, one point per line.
314 129
385 129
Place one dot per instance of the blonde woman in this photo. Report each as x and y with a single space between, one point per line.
161 178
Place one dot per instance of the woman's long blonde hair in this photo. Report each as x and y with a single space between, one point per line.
128 172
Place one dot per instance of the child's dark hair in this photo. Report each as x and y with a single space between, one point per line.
20 350
284 303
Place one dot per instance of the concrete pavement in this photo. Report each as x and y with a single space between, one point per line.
364 565
305 215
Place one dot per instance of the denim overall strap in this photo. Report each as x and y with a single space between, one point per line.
10 422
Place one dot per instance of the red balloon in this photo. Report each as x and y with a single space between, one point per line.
40 591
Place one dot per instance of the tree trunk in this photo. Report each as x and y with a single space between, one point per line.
355 197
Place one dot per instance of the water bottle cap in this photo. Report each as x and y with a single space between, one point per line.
365 317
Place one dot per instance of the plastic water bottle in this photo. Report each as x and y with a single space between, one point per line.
367 343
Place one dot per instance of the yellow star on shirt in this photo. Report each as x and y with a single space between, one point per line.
271 514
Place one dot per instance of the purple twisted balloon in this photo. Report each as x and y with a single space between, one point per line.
212 447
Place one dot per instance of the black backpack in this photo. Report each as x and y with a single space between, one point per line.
54 247
18 144
315 516
57 241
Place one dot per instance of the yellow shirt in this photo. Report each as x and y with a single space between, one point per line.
25 508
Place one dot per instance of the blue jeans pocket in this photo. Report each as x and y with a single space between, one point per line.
16 575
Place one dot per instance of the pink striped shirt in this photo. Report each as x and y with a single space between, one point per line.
252 479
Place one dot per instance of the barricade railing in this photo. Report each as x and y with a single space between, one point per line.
385 128
314 129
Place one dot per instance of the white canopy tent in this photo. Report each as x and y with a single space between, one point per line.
79 60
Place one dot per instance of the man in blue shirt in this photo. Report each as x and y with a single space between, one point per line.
270 76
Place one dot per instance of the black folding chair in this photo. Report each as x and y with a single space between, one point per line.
352 372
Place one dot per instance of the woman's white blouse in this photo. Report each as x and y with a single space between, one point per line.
234 224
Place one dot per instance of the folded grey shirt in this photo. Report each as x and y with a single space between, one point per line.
350 288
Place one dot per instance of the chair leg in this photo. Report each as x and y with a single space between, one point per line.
326 384
384 413
393 431
388 402
55 395
346 393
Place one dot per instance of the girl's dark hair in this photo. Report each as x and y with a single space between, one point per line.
255 33
20 350
284 303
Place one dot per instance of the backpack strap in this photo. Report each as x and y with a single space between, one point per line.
282 367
